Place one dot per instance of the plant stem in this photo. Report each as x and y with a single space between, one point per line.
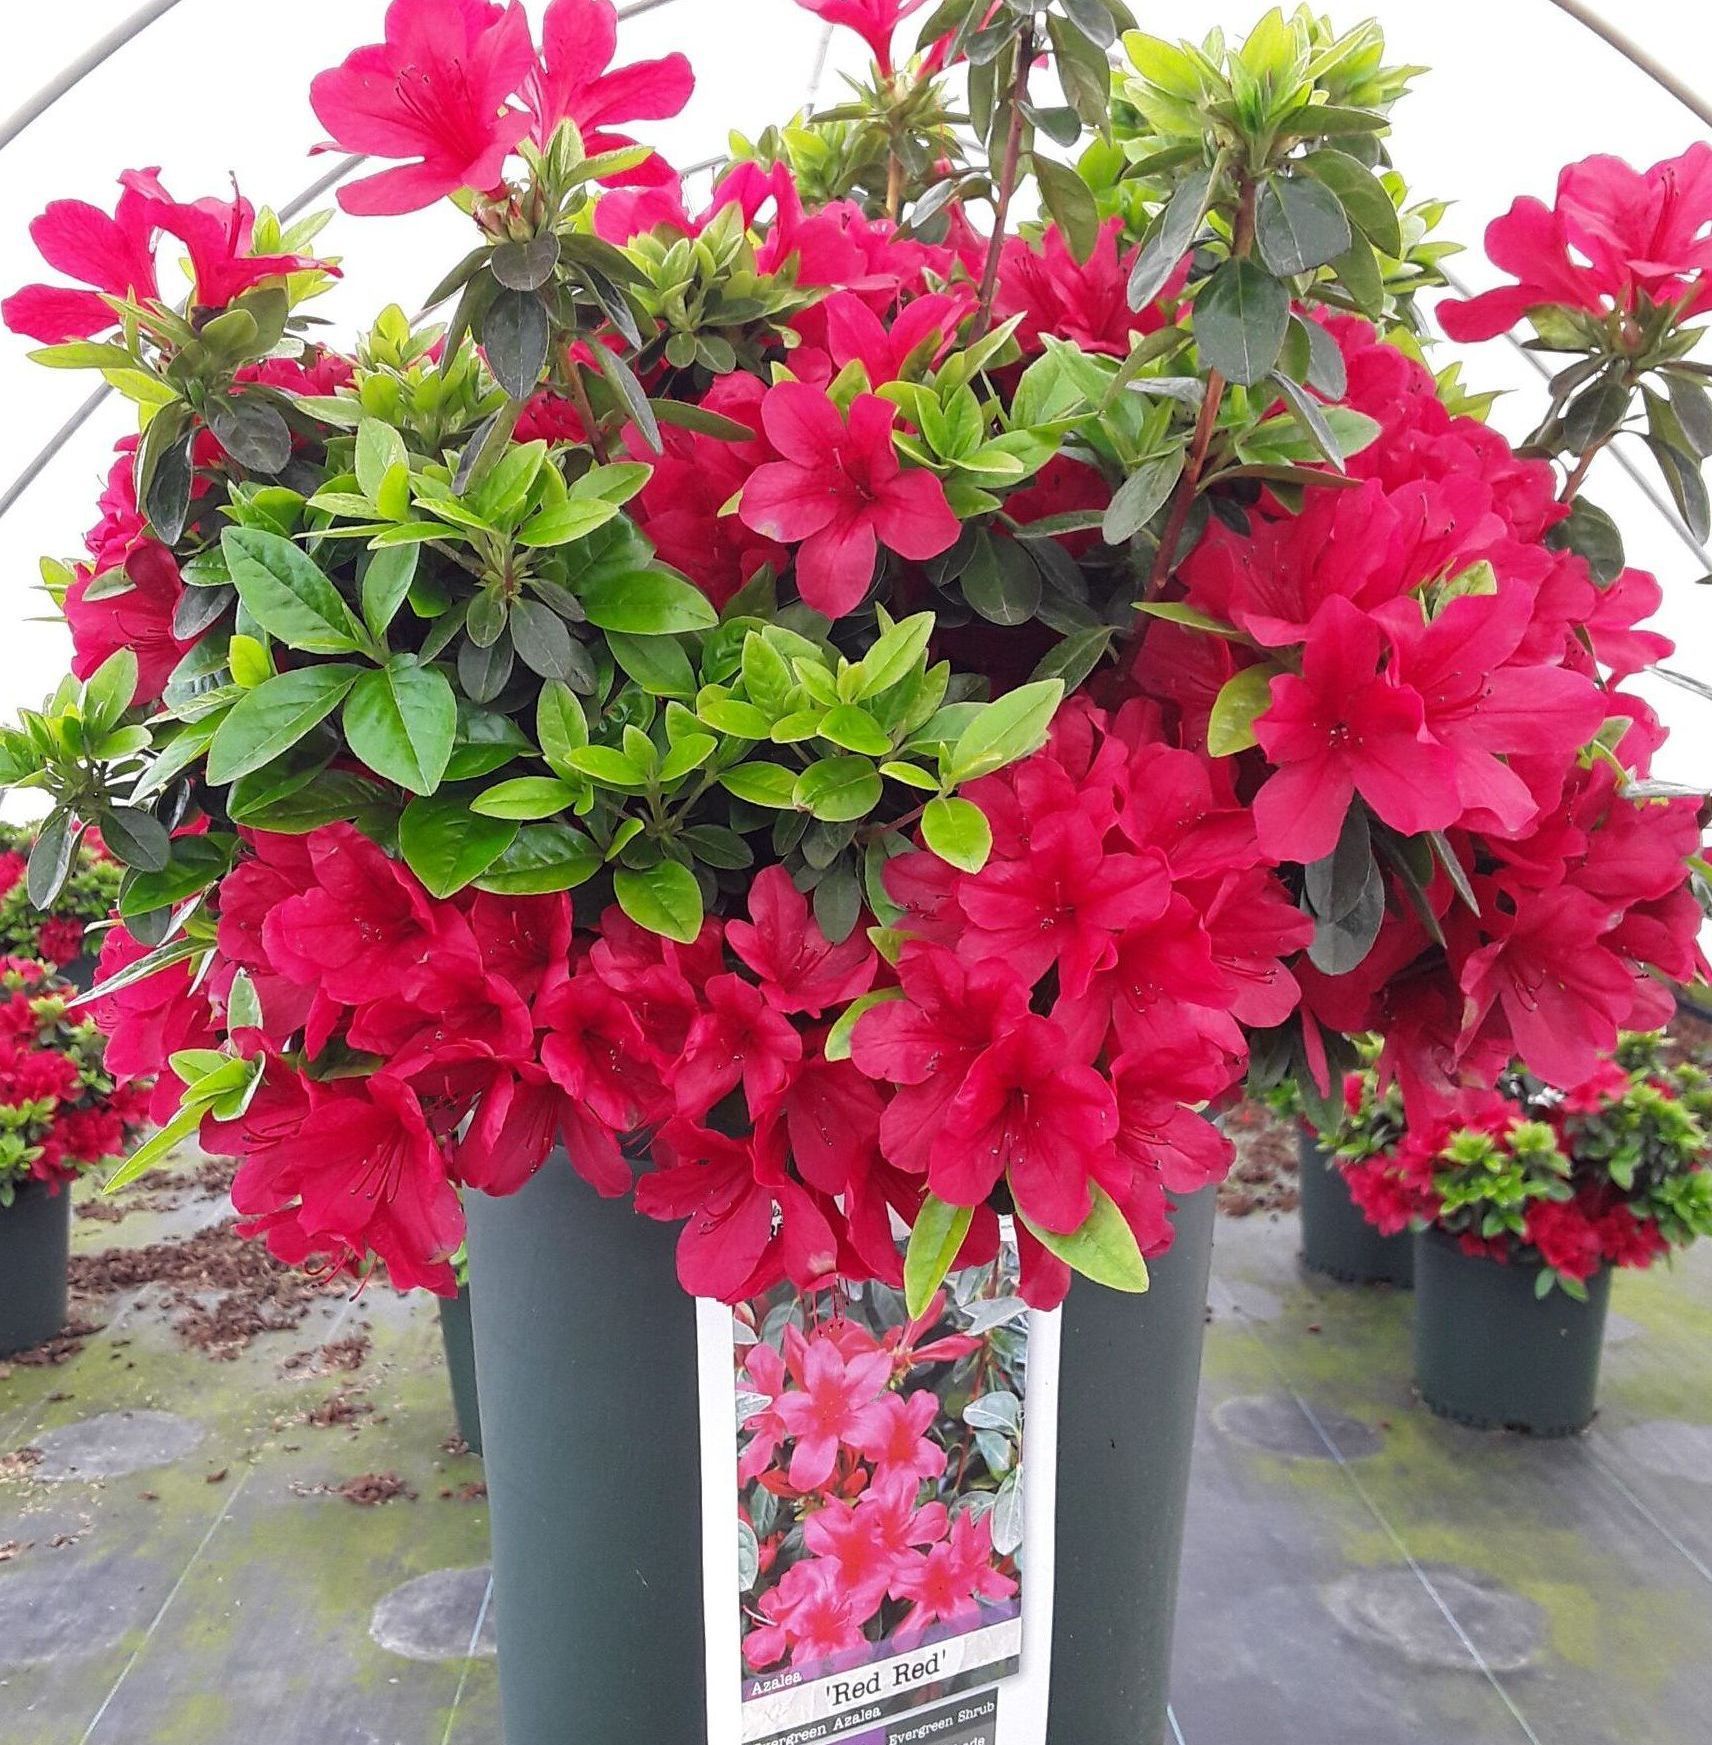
585 411
1007 180
894 187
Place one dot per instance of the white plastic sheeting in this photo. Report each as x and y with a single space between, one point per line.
215 88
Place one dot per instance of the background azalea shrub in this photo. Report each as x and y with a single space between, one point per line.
880 707
62 1111
58 934
1617 1171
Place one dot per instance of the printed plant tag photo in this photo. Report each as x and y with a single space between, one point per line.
878 1483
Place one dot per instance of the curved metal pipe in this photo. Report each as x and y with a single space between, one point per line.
1630 50
35 107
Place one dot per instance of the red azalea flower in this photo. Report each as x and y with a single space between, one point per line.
1567 1238
576 81
923 330
149 1021
1644 233
1084 302
114 254
925 1043
1028 1112
749 1224
1343 729
801 970
595 1050
811 1616
875 21
738 1039
839 492
1064 900
437 90
359 1171
60 940
139 619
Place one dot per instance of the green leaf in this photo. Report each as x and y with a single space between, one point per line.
646 603
155 1150
526 798
1362 196
380 448
1241 317
526 266
1074 659
274 716
608 766
560 724
958 832
762 784
1175 612
249 661
840 1037
401 721
1300 225
686 755
1165 249
665 899
1312 418
565 521
449 845
935 1239
894 656
631 394
197 861
516 336
657 663
855 730
544 858
108 691
136 837
1141 496
1244 696
1013 727
838 790
287 595
1103 1248
386 585
1358 272
1001 581
1070 202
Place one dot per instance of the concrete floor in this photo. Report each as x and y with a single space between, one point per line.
1357 1573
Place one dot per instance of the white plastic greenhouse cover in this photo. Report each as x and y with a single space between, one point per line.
213 88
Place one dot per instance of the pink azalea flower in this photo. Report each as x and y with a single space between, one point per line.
875 21
1343 729
811 1616
112 254
576 81
800 969
839 492
867 1542
891 1435
825 1409
946 1585
436 90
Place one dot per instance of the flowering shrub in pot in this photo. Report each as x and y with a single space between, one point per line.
841 707
61 1113
57 935
1555 1189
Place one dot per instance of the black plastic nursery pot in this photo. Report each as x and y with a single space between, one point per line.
585 1346
458 1337
1336 1239
35 1253
1492 1354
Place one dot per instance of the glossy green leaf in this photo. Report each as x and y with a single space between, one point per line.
542 859
1014 726
447 844
274 716
1241 317
1241 700
287 595
401 721
935 1240
838 790
525 798
1103 1248
647 603
665 899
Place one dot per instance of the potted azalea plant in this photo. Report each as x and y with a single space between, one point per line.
58 934
1337 1239
790 749
62 1113
1528 1198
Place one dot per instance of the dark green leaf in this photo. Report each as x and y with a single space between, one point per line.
136 837
1362 196
544 858
1342 941
542 641
1240 320
631 393
50 859
1141 496
526 266
252 432
197 861
516 335
1070 202
1000 581
1336 884
1299 225
168 501
287 595
1593 536
1165 249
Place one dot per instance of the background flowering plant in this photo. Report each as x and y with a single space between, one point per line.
888 701
61 1110
1617 1171
879 1469
58 934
